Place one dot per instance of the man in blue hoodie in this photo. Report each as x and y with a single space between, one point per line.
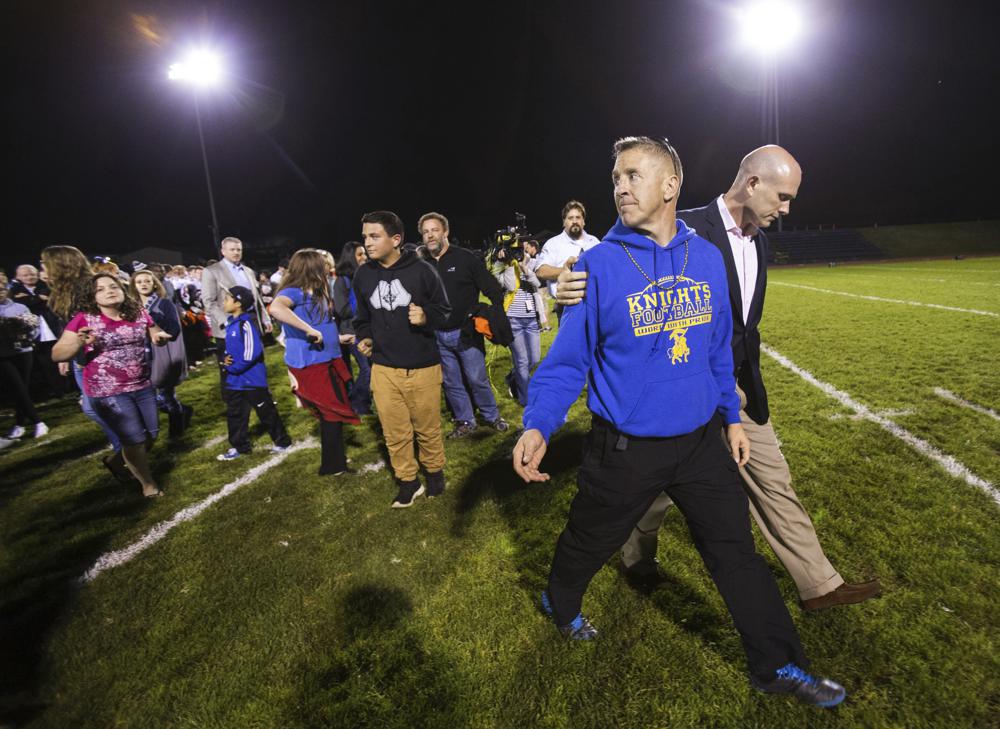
651 341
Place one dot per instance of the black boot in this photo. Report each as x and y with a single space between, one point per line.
176 420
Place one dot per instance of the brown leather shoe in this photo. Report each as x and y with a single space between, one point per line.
645 580
846 594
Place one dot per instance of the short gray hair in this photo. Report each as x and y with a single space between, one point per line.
660 145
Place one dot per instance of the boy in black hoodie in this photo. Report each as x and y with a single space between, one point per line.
400 302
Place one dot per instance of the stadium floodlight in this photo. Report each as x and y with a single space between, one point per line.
201 67
769 26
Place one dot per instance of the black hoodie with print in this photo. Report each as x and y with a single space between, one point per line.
383 298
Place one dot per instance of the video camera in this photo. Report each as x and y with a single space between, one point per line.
507 244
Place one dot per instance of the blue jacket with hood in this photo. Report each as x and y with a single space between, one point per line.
656 358
244 345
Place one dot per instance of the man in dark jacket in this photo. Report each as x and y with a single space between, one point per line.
400 302
33 293
463 358
767 181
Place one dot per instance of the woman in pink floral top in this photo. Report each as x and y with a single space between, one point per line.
113 331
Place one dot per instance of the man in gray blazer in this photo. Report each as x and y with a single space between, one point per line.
222 276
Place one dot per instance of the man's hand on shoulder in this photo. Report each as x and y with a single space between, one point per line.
571 287
528 455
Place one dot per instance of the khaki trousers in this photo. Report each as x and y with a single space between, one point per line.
409 404
782 519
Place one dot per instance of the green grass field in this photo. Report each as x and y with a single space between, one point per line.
306 602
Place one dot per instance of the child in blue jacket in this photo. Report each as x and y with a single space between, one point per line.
245 378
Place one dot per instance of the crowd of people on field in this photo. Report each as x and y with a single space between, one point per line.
658 320
123 338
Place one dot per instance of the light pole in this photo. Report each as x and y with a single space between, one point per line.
768 28
201 69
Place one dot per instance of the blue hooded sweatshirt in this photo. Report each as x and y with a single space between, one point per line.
657 359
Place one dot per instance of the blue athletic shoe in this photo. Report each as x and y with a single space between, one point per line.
790 679
230 455
579 628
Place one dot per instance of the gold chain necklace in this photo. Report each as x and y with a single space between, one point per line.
646 276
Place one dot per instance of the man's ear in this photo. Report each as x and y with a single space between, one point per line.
397 241
671 186
751 184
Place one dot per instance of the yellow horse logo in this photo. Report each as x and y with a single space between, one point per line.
680 351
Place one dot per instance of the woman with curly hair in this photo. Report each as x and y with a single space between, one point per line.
321 380
168 367
68 274
112 331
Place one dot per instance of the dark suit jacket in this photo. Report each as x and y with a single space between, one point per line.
707 222
36 304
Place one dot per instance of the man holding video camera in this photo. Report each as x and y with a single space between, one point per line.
513 268
462 350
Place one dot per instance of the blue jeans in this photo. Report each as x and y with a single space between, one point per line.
131 415
361 392
526 351
88 409
456 359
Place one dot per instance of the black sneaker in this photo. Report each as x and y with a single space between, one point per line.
500 425
408 491
511 384
435 484
463 429
579 628
790 679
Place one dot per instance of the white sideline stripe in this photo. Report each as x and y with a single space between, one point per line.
956 269
372 467
213 441
119 557
890 301
44 440
948 463
948 395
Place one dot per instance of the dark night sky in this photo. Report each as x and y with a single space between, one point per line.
475 110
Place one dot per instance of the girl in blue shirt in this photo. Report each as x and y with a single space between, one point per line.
320 378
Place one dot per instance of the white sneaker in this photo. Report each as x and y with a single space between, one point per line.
41 429
6 443
16 432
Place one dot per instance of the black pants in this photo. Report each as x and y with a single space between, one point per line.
15 374
52 383
333 459
238 406
619 479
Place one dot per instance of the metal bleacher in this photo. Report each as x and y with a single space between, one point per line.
819 246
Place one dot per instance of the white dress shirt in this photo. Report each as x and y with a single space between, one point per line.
559 249
239 274
744 255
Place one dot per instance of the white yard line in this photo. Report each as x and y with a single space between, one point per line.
948 395
211 442
372 467
889 301
160 530
44 440
948 463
